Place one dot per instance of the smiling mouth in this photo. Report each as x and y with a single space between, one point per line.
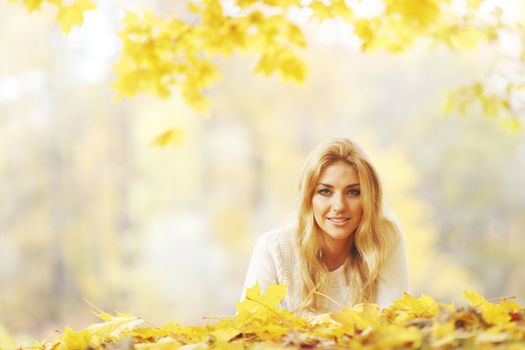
338 221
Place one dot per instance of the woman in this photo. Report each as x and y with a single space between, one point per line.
342 249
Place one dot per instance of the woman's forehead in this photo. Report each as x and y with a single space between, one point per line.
340 173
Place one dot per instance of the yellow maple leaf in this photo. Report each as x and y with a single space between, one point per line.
359 317
337 8
73 15
114 328
510 305
104 316
224 334
474 298
366 31
194 97
342 10
255 302
442 330
496 314
415 14
321 10
193 7
282 3
409 308
32 4
245 3
261 315
72 339
284 61
394 337
172 137
156 332
292 67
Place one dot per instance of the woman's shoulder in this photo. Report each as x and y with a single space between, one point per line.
279 239
278 247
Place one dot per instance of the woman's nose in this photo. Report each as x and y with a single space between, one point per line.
338 203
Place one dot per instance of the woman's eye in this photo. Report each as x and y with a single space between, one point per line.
324 191
354 192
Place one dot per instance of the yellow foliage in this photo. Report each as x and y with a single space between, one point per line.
496 314
359 318
163 53
151 62
37 4
282 3
290 66
68 16
259 323
491 105
97 334
261 304
443 330
415 14
73 15
245 3
409 308
335 9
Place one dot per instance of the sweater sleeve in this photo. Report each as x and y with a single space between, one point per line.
262 268
393 277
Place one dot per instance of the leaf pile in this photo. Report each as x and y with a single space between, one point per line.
410 323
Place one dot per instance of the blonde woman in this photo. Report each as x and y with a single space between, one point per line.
342 249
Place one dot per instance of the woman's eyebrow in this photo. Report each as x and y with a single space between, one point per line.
327 185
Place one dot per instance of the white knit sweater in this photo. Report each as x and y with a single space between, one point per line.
275 259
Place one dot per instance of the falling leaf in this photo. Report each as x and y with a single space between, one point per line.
171 137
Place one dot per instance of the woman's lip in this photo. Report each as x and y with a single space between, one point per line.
338 221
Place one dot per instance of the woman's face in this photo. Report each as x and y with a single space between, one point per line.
337 202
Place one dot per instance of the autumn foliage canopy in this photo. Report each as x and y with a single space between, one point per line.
165 53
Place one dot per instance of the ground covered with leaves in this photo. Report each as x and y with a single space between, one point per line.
410 323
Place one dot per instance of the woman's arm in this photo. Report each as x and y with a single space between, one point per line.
393 277
262 268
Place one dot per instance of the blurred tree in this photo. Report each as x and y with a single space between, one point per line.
160 53
66 206
431 268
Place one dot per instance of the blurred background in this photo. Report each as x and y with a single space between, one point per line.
90 209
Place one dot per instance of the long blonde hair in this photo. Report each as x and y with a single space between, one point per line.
371 241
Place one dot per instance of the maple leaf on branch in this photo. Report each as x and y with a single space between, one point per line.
69 14
166 54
